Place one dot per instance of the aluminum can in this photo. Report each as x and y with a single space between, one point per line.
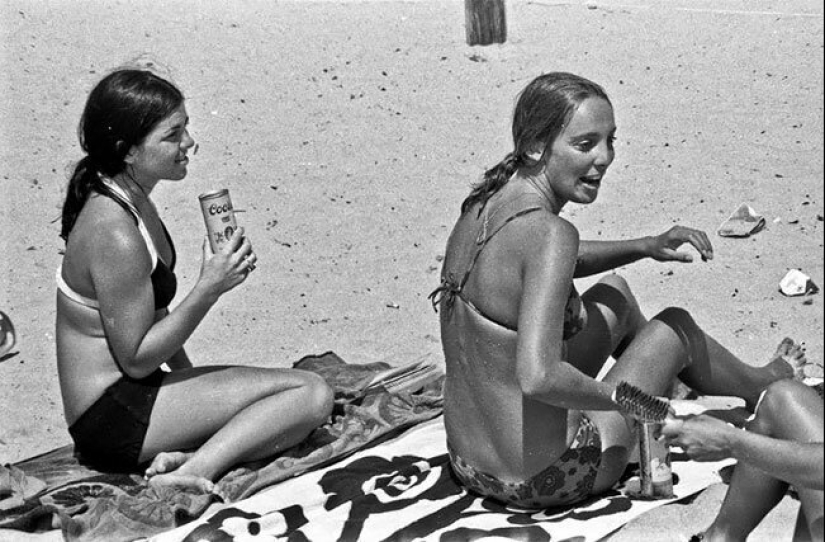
655 474
219 217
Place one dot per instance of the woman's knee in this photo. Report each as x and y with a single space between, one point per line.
676 317
312 393
317 397
684 326
778 399
612 294
616 281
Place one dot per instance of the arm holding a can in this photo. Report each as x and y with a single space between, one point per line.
116 335
219 274
781 445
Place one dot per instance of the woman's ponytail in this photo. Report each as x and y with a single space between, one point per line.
84 180
493 180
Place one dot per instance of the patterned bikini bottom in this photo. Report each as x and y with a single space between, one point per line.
568 480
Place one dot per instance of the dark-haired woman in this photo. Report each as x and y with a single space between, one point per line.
527 422
130 392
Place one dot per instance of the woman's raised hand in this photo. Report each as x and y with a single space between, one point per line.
230 266
663 247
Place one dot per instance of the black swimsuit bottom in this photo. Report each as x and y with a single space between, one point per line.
109 435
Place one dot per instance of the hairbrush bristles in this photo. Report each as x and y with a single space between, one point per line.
640 405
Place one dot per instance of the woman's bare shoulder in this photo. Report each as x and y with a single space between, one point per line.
105 232
545 227
551 241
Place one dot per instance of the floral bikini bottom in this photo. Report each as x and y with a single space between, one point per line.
568 480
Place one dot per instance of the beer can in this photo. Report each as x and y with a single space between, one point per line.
219 217
655 474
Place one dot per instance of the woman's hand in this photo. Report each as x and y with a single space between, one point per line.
663 247
230 266
702 437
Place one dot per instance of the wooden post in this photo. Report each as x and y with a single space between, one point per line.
485 21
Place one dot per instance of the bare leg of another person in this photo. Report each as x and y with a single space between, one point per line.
229 415
791 411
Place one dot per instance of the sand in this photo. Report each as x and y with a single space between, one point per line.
349 133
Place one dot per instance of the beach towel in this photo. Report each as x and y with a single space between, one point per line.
403 490
55 491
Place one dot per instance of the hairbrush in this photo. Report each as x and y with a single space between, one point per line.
637 404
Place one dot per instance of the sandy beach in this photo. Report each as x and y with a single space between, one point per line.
349 132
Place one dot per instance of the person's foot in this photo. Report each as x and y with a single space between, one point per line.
166 470
167 462
789 360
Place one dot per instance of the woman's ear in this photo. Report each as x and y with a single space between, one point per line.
535 152
130 155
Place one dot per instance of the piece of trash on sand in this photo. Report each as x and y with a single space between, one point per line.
797 283
743 222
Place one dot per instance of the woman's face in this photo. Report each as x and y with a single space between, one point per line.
581 153
162 154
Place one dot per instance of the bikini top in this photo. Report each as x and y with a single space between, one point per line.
164 282
450 289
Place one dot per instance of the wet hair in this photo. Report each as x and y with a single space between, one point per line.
542 110
121 110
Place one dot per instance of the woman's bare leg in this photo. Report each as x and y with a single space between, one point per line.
230 415
672 344
791 411
613 320
651 361
713 370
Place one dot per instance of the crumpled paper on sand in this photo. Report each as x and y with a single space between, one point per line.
742 223
795 283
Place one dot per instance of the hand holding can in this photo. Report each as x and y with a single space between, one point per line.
219 217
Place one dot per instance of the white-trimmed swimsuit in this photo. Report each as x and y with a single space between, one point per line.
164 281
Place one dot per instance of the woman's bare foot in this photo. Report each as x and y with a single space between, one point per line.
789 360
182 481
167 462
166 471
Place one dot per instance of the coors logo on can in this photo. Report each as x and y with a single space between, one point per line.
218 216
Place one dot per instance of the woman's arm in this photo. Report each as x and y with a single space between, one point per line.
598 256
705 438
179 360
542 372
121 272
